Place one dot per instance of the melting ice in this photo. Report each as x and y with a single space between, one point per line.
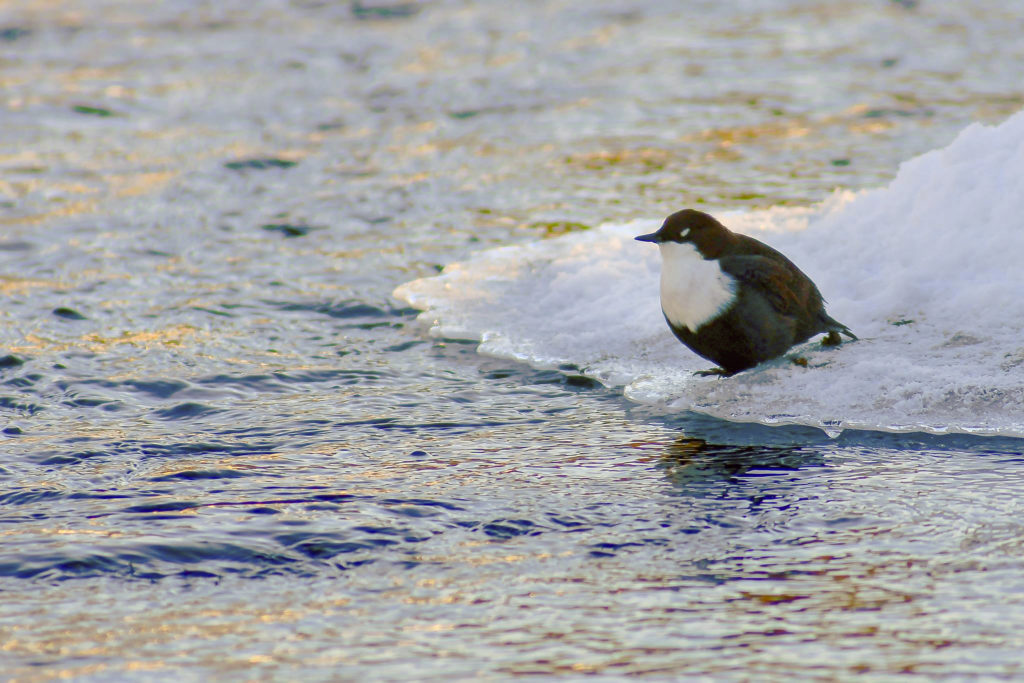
927 271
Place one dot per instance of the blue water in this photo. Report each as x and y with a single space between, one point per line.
228 452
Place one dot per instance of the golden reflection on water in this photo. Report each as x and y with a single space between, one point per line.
51 531
13 285
65 210
641 159
173 335
131 185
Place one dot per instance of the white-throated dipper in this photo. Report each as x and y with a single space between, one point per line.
733 299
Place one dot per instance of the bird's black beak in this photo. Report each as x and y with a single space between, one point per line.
652 237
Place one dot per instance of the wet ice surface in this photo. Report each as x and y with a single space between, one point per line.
229 451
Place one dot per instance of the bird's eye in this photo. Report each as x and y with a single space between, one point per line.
683 233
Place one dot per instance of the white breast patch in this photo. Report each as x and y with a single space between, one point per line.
693 290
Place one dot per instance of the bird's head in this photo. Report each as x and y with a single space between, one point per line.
689 226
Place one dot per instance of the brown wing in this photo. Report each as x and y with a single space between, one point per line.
787 289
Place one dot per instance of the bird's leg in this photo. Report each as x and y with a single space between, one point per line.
713 371
832 339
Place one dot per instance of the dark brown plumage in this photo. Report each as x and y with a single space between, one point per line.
767 304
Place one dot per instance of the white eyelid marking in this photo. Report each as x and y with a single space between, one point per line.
684 233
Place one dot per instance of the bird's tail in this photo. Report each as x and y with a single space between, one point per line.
833 325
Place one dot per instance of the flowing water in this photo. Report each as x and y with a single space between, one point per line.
229 452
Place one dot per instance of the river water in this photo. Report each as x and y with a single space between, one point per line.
229 452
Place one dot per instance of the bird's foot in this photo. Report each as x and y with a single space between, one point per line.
713 371
800 360
832 339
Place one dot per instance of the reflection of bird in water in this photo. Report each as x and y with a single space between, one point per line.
694 461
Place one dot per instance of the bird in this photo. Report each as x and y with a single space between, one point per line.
732 299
